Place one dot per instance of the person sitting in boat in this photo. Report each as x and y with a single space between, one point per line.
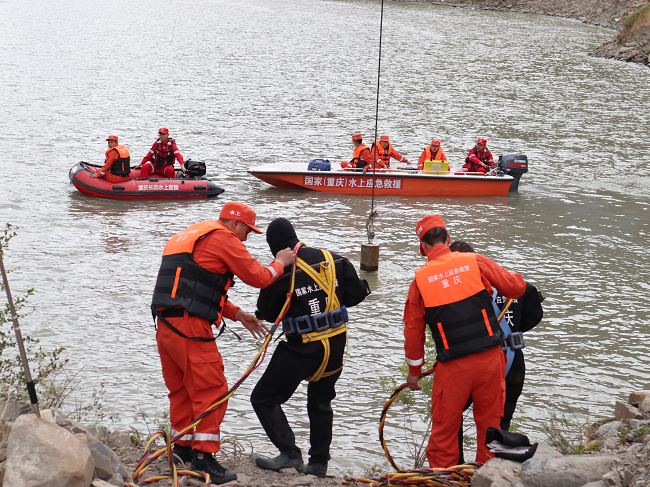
384 152
361 156
432 152
117 165
479 158
160 158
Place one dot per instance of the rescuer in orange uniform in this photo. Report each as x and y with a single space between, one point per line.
190 295
361 156
117 165
384 151
451 294
432 152
479 158
162 155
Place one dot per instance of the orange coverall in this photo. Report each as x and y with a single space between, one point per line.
193 370
111 157
481 375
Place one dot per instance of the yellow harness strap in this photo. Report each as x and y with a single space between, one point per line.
326 279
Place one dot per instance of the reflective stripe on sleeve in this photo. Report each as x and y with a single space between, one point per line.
187 437
206 437
414 363
273 271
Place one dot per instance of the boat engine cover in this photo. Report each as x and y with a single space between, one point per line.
195 169
514 165
319 165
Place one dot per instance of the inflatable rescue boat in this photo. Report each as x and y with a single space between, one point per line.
435 180
193 186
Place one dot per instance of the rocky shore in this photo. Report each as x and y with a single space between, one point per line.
55 451
632 44
614 453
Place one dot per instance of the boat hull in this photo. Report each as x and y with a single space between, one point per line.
397 183
141 188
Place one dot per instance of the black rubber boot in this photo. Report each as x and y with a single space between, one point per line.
205 462
318 469
182 454
279 462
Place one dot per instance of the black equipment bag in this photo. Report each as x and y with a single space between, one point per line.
195 169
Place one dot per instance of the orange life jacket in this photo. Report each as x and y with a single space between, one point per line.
383 154
121 166
356 156
438 157
459 310
182 282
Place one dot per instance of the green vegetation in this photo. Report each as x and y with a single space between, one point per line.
637 17
643 430
622 435
635 22
54 378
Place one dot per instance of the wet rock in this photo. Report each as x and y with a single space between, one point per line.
497 472
11 408
627 411
41 453
571 471
118 439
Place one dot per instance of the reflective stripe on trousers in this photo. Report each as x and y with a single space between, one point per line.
185 437
206 437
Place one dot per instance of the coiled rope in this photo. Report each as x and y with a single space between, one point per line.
415 480
148 457
458 476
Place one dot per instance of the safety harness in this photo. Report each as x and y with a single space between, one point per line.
323 326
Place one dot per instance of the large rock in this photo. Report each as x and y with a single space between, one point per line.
637 397
644 405
118 439
11 408
569 471
42 454
57 416
626 411
497 472
106 462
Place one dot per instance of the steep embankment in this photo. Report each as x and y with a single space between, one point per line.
630 17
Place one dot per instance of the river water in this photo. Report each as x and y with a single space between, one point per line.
241 83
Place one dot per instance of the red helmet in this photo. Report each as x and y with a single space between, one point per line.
481 141
356 137
112 137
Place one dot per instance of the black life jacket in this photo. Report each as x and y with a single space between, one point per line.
182 282
121 166
459 310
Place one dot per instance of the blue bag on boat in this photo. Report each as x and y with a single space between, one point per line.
319 165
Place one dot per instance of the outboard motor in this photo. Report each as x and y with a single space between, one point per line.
514 165
319 165
195 169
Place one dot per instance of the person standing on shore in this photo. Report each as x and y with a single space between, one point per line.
191 294
523 315
451 294
315 326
